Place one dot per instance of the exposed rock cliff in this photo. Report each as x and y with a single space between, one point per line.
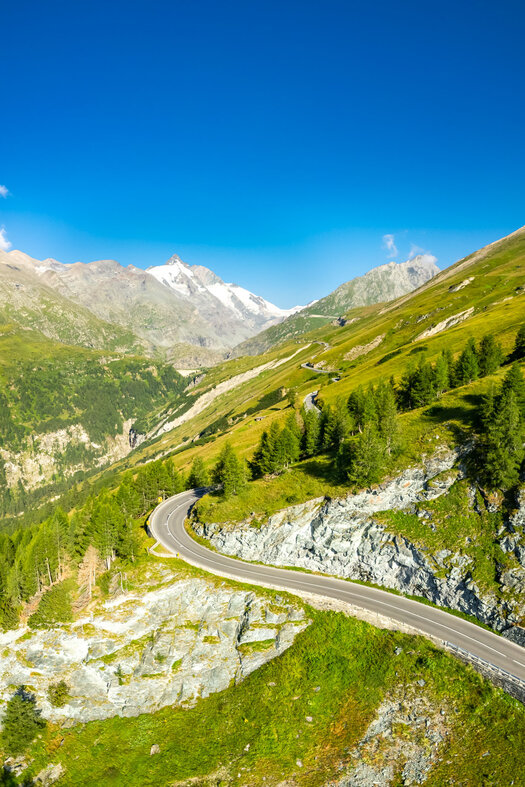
140 652
66 450
402 743
345 538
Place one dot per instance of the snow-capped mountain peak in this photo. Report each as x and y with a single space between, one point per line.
198 282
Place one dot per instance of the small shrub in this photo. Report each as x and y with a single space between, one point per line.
58 694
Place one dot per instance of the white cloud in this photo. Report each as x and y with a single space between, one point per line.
427 257
5 245
3 191
390 246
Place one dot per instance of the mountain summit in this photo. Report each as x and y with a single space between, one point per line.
383 283
201 284
186 312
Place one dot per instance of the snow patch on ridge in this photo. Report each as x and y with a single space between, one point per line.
187 279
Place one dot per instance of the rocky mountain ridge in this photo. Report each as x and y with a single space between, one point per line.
185 312
167 308
383 283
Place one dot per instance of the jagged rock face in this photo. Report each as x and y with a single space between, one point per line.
342 537
41 454
137 654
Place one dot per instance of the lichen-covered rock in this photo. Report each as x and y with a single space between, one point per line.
49 775
138 653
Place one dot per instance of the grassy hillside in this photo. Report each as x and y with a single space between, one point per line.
28 304
383 283
301 717
377 343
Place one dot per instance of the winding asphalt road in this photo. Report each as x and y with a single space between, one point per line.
166 524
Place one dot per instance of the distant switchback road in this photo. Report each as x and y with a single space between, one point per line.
167 526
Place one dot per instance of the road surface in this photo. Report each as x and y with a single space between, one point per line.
309 402
310 368
167 526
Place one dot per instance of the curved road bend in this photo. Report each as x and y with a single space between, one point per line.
167 526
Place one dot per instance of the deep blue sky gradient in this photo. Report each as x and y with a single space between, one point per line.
275 142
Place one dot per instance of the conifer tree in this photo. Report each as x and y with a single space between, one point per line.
490 355
21 722
388 423
293 424
335 425
290 448
198 476
467 367
488 408
503 445
261 461
366 457
229 472
128 497
514 381
356 408
519 345
312 433
175 480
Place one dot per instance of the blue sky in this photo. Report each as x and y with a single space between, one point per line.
275 142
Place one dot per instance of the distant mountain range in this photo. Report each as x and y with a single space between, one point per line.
184 312
384 283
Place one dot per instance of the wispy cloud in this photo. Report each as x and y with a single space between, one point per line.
389 245
5 245
4 191
415 250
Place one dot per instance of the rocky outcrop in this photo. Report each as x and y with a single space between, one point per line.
344 538
448 322
401 745
44 455
137 653
363 349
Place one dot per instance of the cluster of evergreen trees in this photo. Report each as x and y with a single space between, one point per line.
278 448
102 529
425 382
500 448
99 395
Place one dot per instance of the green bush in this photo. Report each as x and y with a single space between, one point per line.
58 694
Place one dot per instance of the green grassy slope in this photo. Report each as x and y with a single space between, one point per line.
380 343
46 387
28 304
298 719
